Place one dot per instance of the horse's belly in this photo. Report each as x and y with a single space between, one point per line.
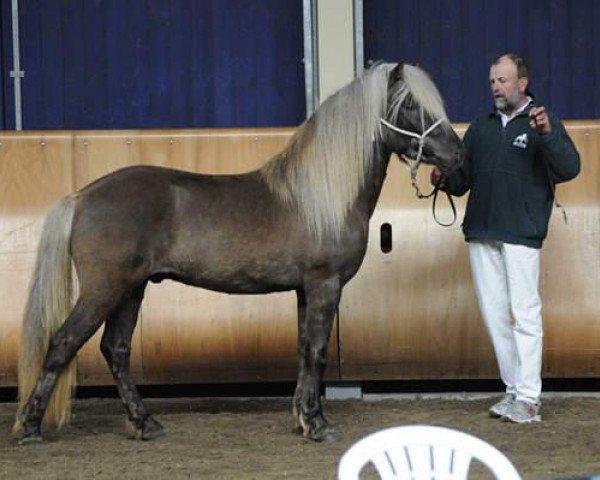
262 251
237 285
233 271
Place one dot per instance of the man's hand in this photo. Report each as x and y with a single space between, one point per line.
436 177
538 119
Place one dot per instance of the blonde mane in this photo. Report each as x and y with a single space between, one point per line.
418 84
323 168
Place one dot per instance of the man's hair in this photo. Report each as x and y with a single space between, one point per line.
518 60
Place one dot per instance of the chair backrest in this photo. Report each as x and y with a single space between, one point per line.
423 452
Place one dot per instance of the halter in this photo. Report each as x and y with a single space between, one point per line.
417 161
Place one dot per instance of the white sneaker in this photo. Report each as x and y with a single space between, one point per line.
523 412
499 409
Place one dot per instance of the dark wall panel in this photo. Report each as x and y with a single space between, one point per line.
455 40
156 64
238 63
5 58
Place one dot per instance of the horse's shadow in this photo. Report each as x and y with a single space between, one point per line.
176 406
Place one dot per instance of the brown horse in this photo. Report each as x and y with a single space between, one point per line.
298 223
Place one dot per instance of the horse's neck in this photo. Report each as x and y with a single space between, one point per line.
369 195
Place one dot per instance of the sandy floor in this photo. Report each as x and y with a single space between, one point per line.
253 439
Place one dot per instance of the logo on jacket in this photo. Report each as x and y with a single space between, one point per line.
521 141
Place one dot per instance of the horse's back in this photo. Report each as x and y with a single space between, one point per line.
218 231
228 233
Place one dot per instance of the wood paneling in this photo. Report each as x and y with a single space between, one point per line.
570 281
409 313
196 335
15 271
421 318
35 170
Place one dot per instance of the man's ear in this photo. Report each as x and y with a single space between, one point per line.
523 82
397 73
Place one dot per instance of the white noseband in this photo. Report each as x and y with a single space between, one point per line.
413 168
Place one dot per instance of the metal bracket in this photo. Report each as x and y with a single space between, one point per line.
311 56
16 73
343 391
359 51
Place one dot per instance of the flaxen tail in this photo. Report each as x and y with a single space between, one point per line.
48 306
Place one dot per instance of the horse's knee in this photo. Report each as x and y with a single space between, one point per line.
319 353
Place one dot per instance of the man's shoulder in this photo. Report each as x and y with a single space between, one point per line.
484 117
480 120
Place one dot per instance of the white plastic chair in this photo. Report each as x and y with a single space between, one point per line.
423 452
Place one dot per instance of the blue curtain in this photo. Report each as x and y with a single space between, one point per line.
238 63
110 64
455 41
5 65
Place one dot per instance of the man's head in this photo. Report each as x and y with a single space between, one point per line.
508 82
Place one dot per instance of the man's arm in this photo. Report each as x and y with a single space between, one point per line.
557 147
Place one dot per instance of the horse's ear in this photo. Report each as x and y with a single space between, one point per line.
397 73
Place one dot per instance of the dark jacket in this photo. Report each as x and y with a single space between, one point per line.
510 173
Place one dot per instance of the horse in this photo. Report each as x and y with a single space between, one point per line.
300 222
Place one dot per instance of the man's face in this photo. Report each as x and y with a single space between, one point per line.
507 89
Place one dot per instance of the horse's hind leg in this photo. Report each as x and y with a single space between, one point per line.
322 297
85 318
116 348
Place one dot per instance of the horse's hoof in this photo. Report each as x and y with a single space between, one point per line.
149 430
152 429
331 437
30 439
324 435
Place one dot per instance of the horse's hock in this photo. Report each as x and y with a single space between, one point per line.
410 311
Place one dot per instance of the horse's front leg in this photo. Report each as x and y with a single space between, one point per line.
302 359
316 310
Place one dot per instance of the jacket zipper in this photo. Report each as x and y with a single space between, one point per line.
501 152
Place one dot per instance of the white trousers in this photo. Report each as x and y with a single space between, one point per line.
506 279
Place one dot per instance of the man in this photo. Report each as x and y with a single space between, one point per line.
515 156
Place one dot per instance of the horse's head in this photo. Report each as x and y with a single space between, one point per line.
416 126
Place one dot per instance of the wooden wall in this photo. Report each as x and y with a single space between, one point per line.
409 313
412 313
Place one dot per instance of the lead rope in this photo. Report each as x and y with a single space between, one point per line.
413 168
557 204
552 185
